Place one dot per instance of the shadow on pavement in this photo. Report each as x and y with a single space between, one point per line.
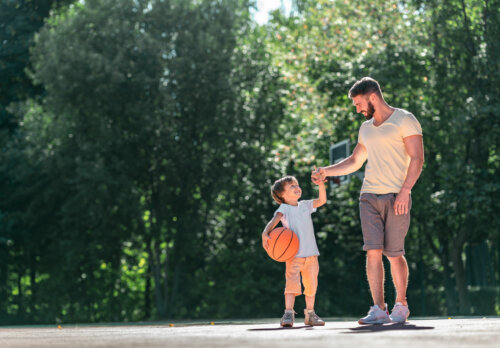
283 328
387 327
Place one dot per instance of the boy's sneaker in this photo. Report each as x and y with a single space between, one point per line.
399 313
311 318
376 316
288 318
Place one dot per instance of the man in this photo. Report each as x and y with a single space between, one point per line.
391 141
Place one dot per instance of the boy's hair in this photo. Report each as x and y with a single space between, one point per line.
364 86
279 187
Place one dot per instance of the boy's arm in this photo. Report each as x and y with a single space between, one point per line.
322 195
269 227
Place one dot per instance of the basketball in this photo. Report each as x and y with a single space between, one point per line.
283 245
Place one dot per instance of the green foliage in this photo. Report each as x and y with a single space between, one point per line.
157 118
19 21
463 92
136 171
419 55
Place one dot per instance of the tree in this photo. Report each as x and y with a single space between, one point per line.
462 96
20 20
150 112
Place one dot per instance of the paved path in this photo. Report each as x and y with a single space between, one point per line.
429 333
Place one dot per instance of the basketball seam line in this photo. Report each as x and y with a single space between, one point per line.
290 242
276 241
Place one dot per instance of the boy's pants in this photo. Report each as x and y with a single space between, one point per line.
309 268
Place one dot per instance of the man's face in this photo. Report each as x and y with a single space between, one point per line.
364 106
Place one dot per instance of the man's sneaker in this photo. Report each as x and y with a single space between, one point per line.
288 318
311 318
399 313
376 316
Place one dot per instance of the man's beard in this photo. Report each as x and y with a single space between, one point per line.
370 111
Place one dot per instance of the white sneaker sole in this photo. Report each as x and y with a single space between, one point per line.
399 321
317 324
378 321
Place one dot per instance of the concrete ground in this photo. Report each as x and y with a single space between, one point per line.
429 333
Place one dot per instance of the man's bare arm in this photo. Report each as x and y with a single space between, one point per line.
415 148
348 165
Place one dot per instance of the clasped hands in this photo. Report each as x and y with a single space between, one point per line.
318 175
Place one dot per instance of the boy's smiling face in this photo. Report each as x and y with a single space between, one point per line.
292 193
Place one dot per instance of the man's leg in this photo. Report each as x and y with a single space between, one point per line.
396 228
372 225
399 271
375 274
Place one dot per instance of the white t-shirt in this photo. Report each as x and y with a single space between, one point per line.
388 160
298 219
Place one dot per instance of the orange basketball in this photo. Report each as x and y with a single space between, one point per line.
283 245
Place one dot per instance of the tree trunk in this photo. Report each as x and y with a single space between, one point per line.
32 283
165 283
20 300
4 254
175 288
147 290
450 293
421 276
459 270
160 301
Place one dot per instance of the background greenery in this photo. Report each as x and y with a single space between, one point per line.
139 139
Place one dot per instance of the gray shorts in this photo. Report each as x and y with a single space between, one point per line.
382 229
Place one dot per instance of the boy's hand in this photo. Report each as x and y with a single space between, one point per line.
318 175
265 240
317 181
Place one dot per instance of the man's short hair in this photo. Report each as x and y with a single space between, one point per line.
365 86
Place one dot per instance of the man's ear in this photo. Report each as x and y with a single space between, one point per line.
372 97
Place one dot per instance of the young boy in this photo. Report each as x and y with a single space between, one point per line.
296 215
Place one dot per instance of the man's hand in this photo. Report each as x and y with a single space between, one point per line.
318 175
402 202
265 240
